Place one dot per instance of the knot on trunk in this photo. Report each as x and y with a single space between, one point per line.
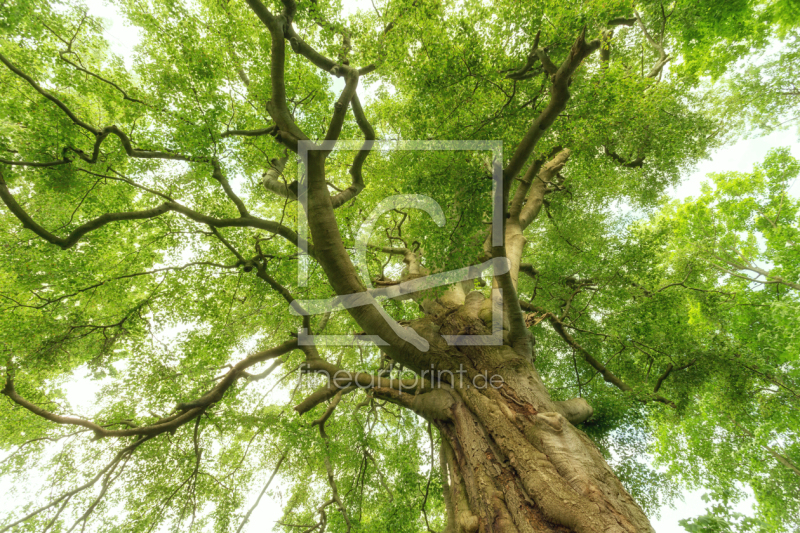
468 522
576 410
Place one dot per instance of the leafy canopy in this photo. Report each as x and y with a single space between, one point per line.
692 306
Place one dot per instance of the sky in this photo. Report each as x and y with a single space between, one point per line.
740 156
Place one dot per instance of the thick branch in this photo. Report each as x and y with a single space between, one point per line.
341 106
361 156
289 133
539 188
331 408
433 405
341 379
622 21
529 63
527 179
249 133
242 222
559 95
519 336
576 410
273 183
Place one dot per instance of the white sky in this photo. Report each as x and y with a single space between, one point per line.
740 157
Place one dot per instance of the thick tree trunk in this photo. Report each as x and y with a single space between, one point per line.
516 462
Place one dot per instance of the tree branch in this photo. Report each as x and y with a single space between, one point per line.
782 459
658 47
36 164
529 63
261 494
771 280
185 411
608 376
271 130
622 21
633 163
515 208
49 96
341 106
246 220
341 379
273 183
668 371
288 132
539 188
559 95
122 454
361 156
226 186
81 230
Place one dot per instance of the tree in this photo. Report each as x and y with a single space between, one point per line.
745 227
153 234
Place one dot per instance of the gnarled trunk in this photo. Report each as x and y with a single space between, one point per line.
515 459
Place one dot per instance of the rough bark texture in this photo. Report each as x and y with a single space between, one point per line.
515 461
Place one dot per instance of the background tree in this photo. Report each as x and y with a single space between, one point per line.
150 237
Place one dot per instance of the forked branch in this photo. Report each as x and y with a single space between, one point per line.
78 233
357 167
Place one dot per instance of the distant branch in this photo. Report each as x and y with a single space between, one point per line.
608 376
261 494
663 58
184 412
122 455
633 163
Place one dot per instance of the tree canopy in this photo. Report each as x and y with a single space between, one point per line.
152 237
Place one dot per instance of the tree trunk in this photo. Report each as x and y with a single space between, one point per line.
515 460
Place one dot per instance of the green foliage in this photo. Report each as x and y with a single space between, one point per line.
697 299
720 519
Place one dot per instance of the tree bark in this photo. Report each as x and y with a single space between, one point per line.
516 461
